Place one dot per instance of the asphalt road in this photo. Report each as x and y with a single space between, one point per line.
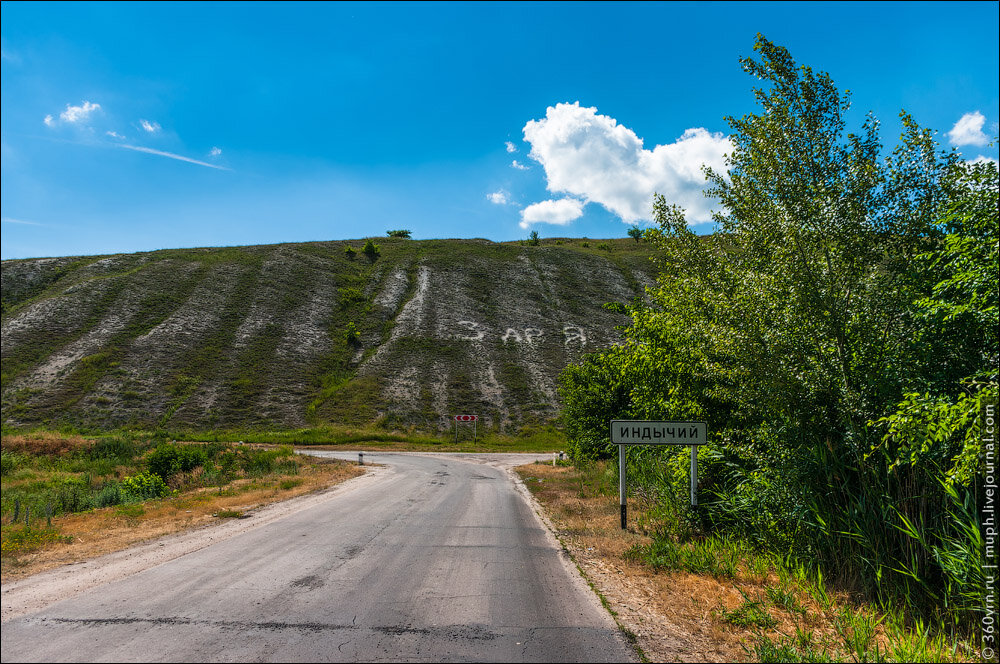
435 559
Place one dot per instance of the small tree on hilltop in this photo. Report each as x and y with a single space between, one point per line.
635 233
371 251
399 233
533 239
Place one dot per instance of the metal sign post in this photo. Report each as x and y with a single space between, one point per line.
466 418
646 432
621 484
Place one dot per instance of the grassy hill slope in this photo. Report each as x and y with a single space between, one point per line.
259 336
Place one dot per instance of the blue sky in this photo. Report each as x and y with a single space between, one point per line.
131 127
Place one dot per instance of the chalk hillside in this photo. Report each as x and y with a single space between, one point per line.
298 335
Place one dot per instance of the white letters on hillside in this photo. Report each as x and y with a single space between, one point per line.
573 335
473 327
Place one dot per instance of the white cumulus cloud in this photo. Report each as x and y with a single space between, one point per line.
73 114
79 113
982 159
151 127
969 130
559 212
215 152
518 165
511 147
593 157
499 197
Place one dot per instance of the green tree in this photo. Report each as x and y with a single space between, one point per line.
371 251
350 252
840 287
533 239
635 233
399 233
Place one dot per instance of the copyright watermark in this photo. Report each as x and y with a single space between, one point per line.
989 526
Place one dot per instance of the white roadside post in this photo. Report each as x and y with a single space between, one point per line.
647 432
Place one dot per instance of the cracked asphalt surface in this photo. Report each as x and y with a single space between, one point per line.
438 558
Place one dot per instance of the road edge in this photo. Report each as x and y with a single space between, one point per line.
34 593
628 638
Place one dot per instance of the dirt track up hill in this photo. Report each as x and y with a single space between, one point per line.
259 336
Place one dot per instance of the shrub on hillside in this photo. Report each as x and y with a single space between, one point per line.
169 459
143 486
371 251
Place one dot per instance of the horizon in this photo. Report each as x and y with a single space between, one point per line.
375 238
135 127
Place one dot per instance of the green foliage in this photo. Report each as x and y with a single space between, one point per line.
350 252
169 459
115 448
964 269
371 251
751 613
351 334
839 334
533 239
593 393
21 540
635 233
718 557
399 233
350 296
144 486
11 461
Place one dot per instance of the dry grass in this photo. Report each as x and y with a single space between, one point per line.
103 531
45 443
678 615
671 615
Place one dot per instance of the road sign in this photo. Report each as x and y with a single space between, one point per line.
645 432
473 419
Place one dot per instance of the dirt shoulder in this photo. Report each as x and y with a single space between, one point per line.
670 615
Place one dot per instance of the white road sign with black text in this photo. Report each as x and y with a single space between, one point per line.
645 432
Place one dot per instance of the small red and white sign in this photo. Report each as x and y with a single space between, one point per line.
466 418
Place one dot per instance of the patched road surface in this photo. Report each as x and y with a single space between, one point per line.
436 558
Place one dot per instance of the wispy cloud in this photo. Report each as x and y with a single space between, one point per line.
151 127
115 134
969 130
518 165
214 152
171 155
8 55
10 220
511 147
